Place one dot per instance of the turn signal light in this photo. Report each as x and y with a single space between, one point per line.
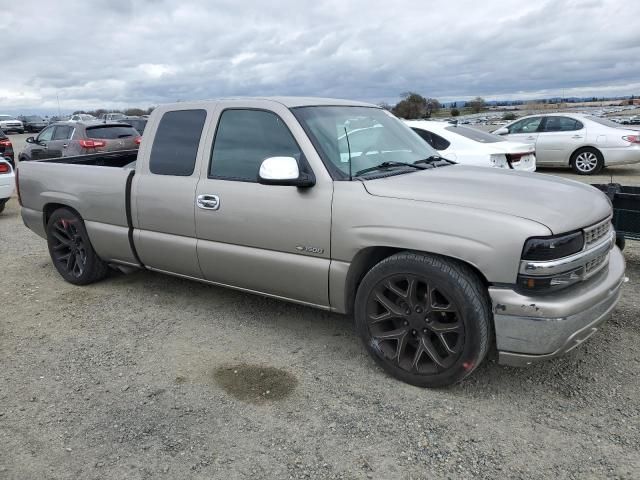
632 138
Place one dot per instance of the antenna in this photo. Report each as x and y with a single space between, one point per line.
349 150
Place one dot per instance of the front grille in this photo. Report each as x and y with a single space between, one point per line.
591 265
596 232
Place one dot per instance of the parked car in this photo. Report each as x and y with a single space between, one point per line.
81 117
9 123
435 260
7 182
139 123
33 123
470 146
64 139
584 142
6 148
111 117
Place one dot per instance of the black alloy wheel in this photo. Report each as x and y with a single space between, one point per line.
425 319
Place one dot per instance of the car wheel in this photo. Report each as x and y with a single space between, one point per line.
587 161
424 319
2 205
71 251
620 240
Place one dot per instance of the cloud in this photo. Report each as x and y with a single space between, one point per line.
145 52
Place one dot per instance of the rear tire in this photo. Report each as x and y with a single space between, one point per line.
587 161
71 250
424 319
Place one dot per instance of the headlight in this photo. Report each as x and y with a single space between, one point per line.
553 248
549 251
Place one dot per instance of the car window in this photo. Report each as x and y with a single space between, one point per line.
436 141
46 134
475 134
111 132
62 132
526 125
244 139
561 124
175 145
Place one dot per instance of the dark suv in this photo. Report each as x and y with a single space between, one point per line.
66 139
33 123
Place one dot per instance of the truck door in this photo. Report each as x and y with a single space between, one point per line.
264 238
164 191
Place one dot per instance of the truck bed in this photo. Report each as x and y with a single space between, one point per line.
96 186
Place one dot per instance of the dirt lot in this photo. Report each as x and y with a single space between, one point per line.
149 376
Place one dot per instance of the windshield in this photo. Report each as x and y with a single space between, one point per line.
374 135
475 135
111 132
604 121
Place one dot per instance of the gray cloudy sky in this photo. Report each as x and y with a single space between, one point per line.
119 53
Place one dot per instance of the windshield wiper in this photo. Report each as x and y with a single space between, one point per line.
385 165
433 159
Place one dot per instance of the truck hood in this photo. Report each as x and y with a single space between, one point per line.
559 204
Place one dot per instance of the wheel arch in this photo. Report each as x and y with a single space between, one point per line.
585 147
368 257
49 208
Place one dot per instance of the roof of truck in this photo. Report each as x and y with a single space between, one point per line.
289 102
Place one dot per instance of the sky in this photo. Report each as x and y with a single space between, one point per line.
138 53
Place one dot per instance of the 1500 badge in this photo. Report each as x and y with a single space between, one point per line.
304 248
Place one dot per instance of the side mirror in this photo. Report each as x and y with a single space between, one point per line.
30 140
501 131
283 171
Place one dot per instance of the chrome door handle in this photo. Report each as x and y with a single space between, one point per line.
208 202
65 145
577 136
531 138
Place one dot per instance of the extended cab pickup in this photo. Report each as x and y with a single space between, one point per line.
436 261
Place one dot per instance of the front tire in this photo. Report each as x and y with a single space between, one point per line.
425 319
71 250
587 161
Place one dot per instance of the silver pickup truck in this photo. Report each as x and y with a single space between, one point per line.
338 205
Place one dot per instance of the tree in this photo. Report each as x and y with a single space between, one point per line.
509 116
455 112
414 105
386 106
477 104
134 112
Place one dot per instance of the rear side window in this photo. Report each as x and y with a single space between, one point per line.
561 124
175 145
62 132
436 141
244 139
111 132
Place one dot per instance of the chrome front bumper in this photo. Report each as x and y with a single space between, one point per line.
530 329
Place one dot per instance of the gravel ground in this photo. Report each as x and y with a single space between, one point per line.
150 376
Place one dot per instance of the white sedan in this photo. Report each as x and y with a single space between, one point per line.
7 182
584 142
470 146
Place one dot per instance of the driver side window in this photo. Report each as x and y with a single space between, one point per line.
528 125
45 135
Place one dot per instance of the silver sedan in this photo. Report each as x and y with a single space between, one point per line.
584 142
